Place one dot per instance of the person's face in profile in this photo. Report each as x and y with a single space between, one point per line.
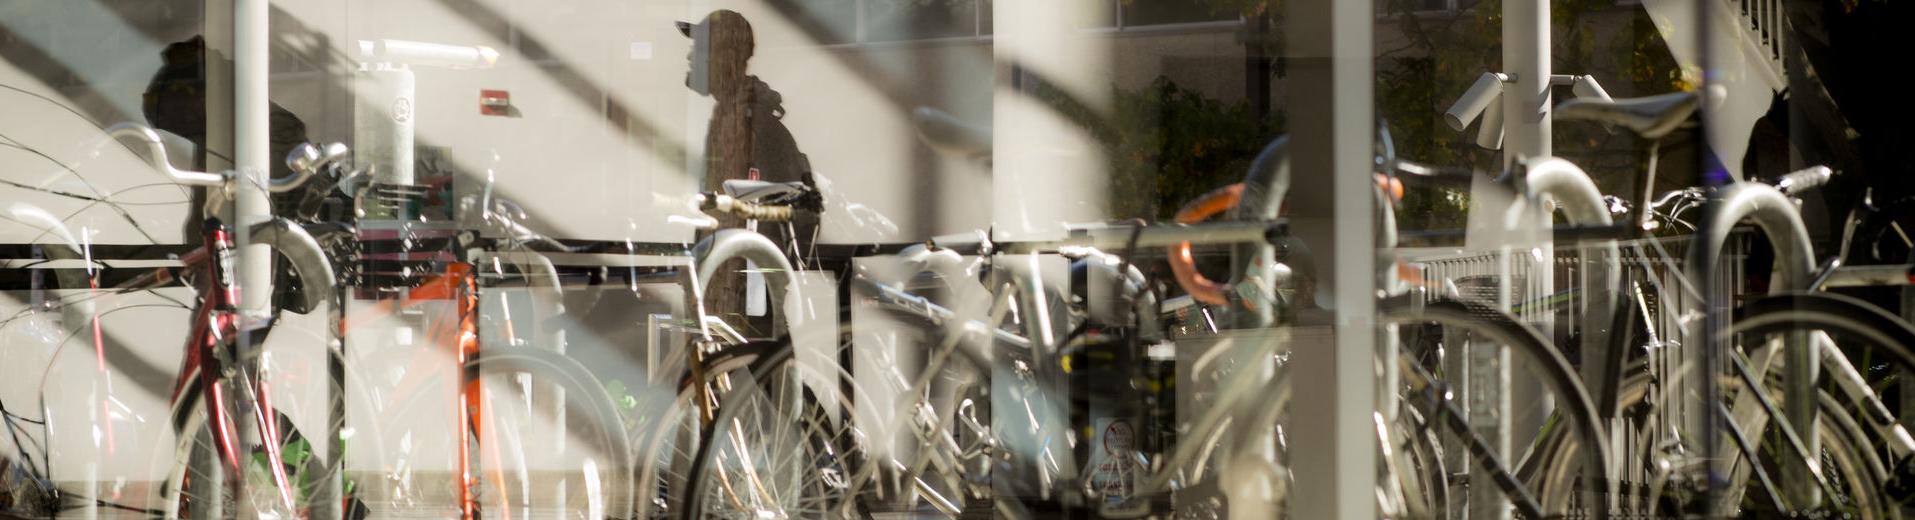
698 77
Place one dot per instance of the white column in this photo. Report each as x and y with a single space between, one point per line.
1526 99
1333 441
252 154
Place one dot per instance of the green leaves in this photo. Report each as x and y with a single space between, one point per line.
1181 144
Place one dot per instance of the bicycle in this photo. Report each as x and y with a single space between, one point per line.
316 472
1649 418
508 391
778 401
223 401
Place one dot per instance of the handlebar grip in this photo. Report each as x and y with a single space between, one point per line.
1803 181
761 212
716 203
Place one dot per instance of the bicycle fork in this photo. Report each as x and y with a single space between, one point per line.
460 284
231 385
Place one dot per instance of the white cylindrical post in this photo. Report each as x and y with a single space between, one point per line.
252 156
1526 99
383 136
1332 141
1523 115
252 151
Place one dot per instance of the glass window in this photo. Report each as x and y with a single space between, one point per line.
887 20
969 258
1160 12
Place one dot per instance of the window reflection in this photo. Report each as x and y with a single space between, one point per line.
551 170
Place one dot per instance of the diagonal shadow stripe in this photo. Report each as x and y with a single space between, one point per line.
583 90
37 62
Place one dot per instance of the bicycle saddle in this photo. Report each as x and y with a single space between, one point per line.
946 133
1650 117
756 191
798 194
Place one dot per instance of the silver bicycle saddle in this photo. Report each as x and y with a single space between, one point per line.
1650 117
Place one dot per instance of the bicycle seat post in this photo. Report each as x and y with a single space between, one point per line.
1645 212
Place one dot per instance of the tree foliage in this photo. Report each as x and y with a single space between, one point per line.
1173 144
1169 143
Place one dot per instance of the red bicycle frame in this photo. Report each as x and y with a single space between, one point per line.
213 341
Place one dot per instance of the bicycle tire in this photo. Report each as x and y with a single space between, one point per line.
605 437
1790 312
732 410
666 450
581 388
1839 316
1552 369
192 453
849 392
1886 333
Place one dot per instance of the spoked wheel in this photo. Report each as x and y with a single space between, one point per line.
1432 336
1653 483
671 432
1421 477
1415 474
307 430
774 450
1642 488
1659 478
1853 475
550 442
545 441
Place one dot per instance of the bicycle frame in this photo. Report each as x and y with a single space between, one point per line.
1775 215
212 347
459 285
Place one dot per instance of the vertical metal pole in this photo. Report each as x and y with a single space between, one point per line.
252 155
1702 392
1526 129
1488 396
1334 439
252 150
1256 65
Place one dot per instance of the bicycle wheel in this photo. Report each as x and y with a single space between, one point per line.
1422 477
545 440
1415 477
668 447
1855 488
561 445
307 430
1437 330
1649 485
773 450
1655 480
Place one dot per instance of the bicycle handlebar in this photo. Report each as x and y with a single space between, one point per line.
719 203
1802 181
306 160
305 154
156 154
